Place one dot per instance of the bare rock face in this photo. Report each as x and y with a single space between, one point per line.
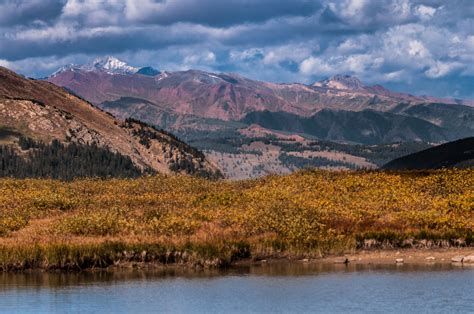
80 134
43 111
343 82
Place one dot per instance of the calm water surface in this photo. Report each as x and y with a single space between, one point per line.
261 289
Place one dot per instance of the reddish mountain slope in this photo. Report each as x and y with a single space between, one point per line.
44 111
227 96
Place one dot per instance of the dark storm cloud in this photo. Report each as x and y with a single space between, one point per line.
395 42
116 26
26 12
64 40
218 13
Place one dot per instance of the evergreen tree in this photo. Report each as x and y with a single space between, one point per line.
65 162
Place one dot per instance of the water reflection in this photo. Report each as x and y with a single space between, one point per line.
279 269
267 288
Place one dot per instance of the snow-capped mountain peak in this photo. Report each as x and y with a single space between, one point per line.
108 64
65 68
113 65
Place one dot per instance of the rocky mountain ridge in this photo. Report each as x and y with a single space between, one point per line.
229 96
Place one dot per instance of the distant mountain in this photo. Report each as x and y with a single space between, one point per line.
227 96
149 71
459 118
44 112
459 153
166 118
365 127
109 65
225 114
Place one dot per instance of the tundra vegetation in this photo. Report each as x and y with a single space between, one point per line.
181 219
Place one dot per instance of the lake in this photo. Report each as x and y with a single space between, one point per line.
275 288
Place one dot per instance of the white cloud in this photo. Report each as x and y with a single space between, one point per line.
94 12
5 63
439 69
354 45
400 8
54 33
294 52
362 63
359 64
206 57
351 8
44 65
142 10
316 66
210 57
367 13
273 55
417 49
395 55
245 55
425 12
395 76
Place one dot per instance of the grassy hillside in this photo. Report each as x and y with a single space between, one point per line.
87 223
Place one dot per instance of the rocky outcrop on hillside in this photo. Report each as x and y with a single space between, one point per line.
44 112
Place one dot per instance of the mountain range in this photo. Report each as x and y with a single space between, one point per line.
41 111
224 113
172 99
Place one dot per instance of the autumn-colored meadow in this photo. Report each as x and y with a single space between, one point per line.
182 219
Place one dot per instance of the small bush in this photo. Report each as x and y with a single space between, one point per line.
12 221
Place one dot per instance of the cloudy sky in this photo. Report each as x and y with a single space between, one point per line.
417 46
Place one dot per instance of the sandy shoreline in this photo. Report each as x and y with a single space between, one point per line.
378 257
369 258
141 259
415 257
